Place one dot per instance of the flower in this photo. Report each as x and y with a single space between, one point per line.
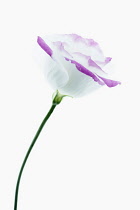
74 65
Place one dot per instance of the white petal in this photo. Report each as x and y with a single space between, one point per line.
75 43
52 68
80 58
79 84
69 72
55 74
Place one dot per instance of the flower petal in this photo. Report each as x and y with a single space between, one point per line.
88 63
56 75
109 82
97 78
44 46
61 47
103 63
88 42
79 84
76 43
54 71
75 64
85 71
85 46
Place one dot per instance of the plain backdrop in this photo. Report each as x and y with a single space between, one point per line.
88 155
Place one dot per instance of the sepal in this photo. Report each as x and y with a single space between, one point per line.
57 97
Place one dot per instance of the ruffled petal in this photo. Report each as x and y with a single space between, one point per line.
103 63
97 78
70 43
76 43
88 63
61 48
85 46
84 70
75 64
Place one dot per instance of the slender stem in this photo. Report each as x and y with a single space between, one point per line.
29 150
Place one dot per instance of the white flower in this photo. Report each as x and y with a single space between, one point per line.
74 65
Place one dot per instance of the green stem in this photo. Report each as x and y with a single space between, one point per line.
29 150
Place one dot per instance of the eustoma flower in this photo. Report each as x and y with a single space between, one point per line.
74 65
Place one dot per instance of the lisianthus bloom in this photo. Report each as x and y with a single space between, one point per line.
74 65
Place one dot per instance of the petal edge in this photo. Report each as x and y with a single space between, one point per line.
44 46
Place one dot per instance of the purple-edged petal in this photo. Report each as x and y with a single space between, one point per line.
88 60
88 42
74 74
85 46
109 82
103 63
86 71
97 78
44 46
107 60
61 47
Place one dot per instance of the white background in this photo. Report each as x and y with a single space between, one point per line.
88 155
